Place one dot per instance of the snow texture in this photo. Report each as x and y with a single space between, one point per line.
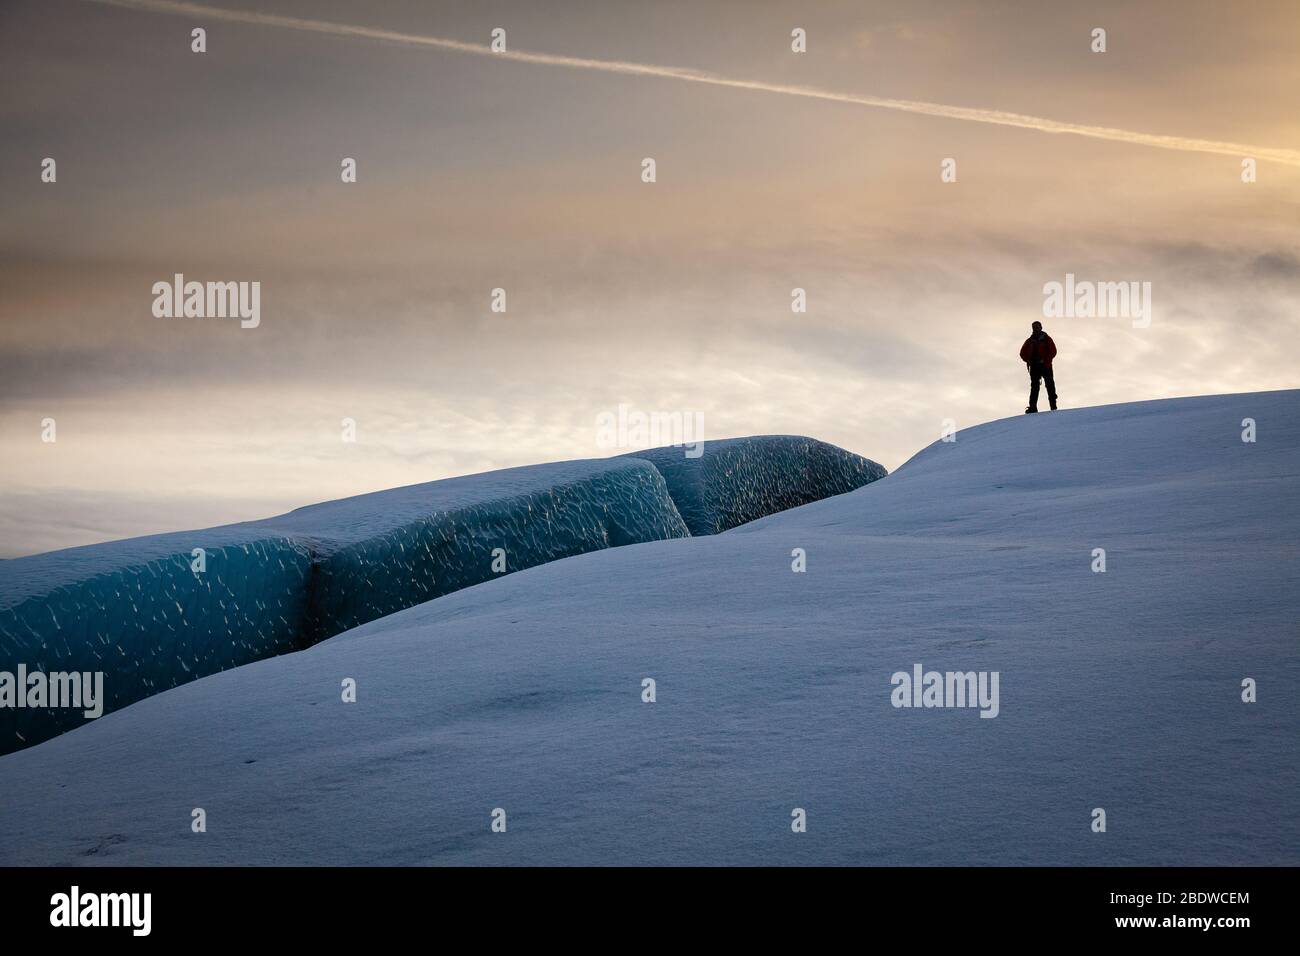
1118 690
135 610
738 480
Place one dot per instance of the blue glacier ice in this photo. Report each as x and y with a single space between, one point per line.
738 480
382 552
136 610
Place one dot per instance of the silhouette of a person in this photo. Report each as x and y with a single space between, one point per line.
1037 353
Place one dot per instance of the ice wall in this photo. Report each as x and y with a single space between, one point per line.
147 614
386 551
135 611
741 479
138 611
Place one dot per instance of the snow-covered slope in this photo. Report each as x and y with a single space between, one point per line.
145 613
1119 690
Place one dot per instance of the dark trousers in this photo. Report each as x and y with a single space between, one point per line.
1037 370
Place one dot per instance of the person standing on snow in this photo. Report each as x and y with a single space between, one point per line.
1037 353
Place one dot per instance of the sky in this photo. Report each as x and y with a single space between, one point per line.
477 172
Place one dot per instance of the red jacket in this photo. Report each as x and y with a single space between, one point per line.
1039 348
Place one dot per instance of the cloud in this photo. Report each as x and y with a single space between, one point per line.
1277 265
676 297
1289 157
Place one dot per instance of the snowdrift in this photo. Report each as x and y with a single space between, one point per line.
140 612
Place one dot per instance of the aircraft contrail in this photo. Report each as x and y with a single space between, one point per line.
1289 157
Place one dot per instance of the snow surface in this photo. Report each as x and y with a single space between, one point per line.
135 610
1119 690
738 480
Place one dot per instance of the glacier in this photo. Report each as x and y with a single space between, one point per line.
136 611
738 480
1120 690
